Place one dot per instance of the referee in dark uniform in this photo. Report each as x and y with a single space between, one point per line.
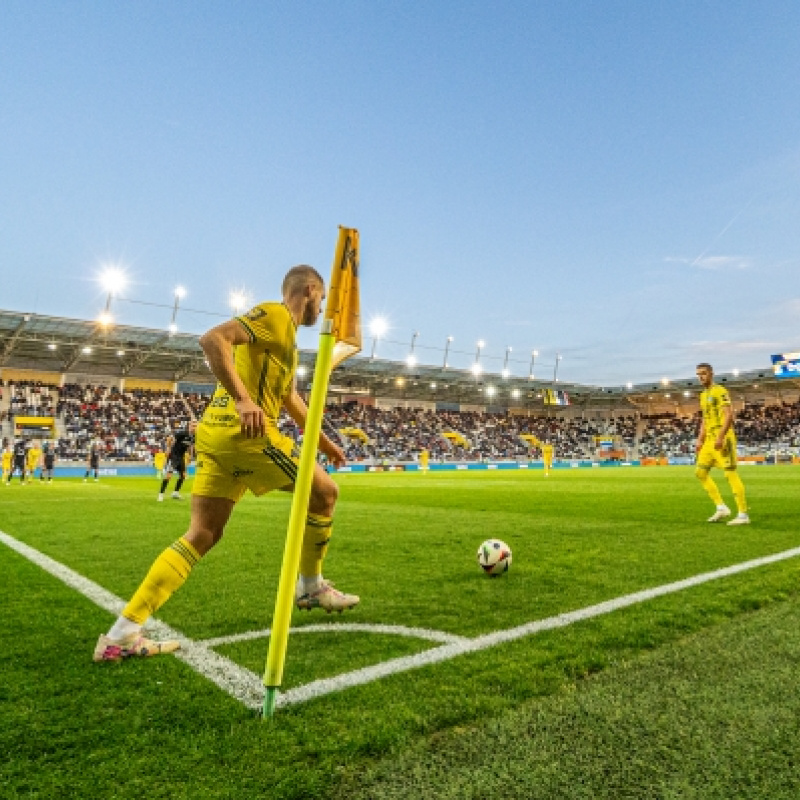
182 444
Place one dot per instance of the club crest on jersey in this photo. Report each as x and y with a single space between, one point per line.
255 314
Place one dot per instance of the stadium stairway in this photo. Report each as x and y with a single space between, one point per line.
641 424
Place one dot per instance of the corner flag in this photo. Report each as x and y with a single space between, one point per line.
340 338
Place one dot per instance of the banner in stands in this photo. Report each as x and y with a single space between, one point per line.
786 365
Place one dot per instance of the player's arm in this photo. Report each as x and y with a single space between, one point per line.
727 423
701 436
298 410
216 345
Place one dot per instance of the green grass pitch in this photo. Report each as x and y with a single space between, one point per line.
687 695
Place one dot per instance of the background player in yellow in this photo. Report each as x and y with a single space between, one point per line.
159 461
7 456
547 457
424 458
716 447
239 447
34 454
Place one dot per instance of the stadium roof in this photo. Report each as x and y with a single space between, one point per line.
57 344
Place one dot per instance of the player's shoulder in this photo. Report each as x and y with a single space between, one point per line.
268 319
719 392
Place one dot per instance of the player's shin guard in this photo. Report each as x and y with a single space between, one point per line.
315 544
708 484
168 573
738 490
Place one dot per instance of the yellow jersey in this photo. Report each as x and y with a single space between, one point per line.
33 457
547 452
7 455
712 403
266 365
159 459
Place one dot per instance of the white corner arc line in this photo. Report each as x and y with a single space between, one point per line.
427 634
436 655
246 686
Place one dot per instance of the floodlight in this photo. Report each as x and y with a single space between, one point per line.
433 386
630 385
491 391
105 318
120 353
481 344
378 327
476 369
665 381
687 394
52 346
411 360
87 351
180 292
237 301
535 353
400 381
515 393
736 373
113 280
302 371
506 372
173 327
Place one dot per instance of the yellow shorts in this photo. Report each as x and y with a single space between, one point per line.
709 456
236 464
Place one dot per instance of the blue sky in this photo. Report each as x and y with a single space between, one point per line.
618 181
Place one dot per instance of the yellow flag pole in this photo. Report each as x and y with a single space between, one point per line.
284 603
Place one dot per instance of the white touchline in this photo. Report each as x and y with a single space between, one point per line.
246 686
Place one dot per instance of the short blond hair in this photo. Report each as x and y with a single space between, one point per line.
297 278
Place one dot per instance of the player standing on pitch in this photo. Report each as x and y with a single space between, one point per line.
239 447
179 452
716 446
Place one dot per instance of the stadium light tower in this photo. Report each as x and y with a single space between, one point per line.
237 301
481 345
113 280
506 370
446 351
555 368
377 328
180 293
534 353
411 359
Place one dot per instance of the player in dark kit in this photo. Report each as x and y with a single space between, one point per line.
20 460
93 462
49 463
179 448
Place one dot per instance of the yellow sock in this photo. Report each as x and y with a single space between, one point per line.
166 576
315 544
710 487
738 490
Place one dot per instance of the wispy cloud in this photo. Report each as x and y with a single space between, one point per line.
717 263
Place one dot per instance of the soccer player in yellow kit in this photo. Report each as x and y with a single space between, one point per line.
7 456
424 459
547 457
239 447
716 447
34 454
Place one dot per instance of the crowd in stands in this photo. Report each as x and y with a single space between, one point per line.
30 399
128 425
400 434
133 425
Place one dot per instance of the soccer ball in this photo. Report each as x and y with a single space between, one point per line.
494 557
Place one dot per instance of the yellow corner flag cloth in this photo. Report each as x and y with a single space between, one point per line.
343 306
